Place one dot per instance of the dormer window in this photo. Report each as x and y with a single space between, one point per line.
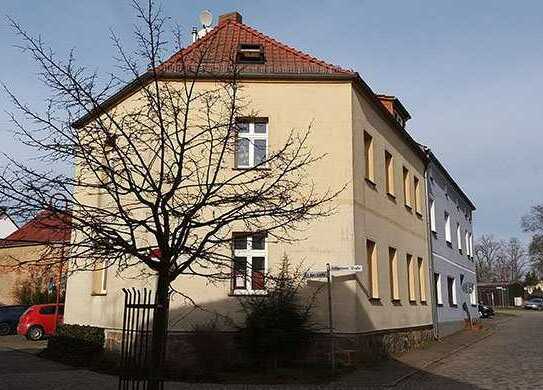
250 53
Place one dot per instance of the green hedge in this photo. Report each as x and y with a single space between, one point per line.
79 340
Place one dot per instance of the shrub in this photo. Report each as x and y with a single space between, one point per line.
278 326
78 343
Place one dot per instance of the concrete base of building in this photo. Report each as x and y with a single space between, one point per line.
220 350
449 327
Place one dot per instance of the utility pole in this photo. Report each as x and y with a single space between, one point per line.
331 319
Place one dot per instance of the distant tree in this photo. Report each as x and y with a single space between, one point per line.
515 260
533 223
531 279
489 255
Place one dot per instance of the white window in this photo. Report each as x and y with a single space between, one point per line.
459 237
437 286
471 245
99 279
473 296
433 216
451 290
466 242
448 237
250 263
252 143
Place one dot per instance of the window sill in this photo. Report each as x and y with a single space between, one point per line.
454 306
449 244
424 303
371 183
251 168
99 294
375 301
392 197
408 208
247 293
396 302
439 305
434 233
413 302
419 214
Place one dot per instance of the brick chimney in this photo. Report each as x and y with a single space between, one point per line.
395 107
235 16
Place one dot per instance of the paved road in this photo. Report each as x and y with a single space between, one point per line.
510 359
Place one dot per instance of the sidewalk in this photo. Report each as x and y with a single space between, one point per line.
391 372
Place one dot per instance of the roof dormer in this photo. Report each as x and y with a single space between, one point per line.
396 108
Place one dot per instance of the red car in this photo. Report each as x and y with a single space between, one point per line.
39 321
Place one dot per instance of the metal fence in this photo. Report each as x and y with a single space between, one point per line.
136 368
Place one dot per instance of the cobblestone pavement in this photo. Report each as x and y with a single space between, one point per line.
510 359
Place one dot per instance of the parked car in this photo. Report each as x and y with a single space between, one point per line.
534 304
38 321
485 311
9 318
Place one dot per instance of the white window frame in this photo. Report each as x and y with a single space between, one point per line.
249 253
471 245
252 137
466 241
473 296
102 288
433 216
459 237
448 234
453 288
439 293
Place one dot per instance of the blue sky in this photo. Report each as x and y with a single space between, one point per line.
468 72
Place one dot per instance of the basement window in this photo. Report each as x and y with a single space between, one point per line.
249 53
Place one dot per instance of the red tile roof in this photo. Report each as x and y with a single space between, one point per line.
216 52
45 227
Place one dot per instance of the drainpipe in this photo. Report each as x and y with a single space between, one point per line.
431 257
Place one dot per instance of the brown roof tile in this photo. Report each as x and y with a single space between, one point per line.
45 227
216 51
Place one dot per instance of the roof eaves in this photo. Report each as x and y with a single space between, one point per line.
365 88
432 157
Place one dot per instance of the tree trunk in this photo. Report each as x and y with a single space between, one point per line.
160 330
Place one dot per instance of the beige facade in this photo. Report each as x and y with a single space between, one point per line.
340 114
11 275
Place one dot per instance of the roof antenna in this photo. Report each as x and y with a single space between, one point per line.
194 34
206 17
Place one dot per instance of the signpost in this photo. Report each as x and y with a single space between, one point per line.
331 271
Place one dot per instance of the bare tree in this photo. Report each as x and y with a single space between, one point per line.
516 261
488 255
153 183
533 223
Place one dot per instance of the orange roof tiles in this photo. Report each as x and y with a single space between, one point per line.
215 53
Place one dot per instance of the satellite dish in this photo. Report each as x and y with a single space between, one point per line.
206 17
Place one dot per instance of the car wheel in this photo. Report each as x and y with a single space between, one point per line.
35 333
5 329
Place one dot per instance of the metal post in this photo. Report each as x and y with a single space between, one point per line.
59 286
331 318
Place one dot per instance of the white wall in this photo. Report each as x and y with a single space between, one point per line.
6 226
